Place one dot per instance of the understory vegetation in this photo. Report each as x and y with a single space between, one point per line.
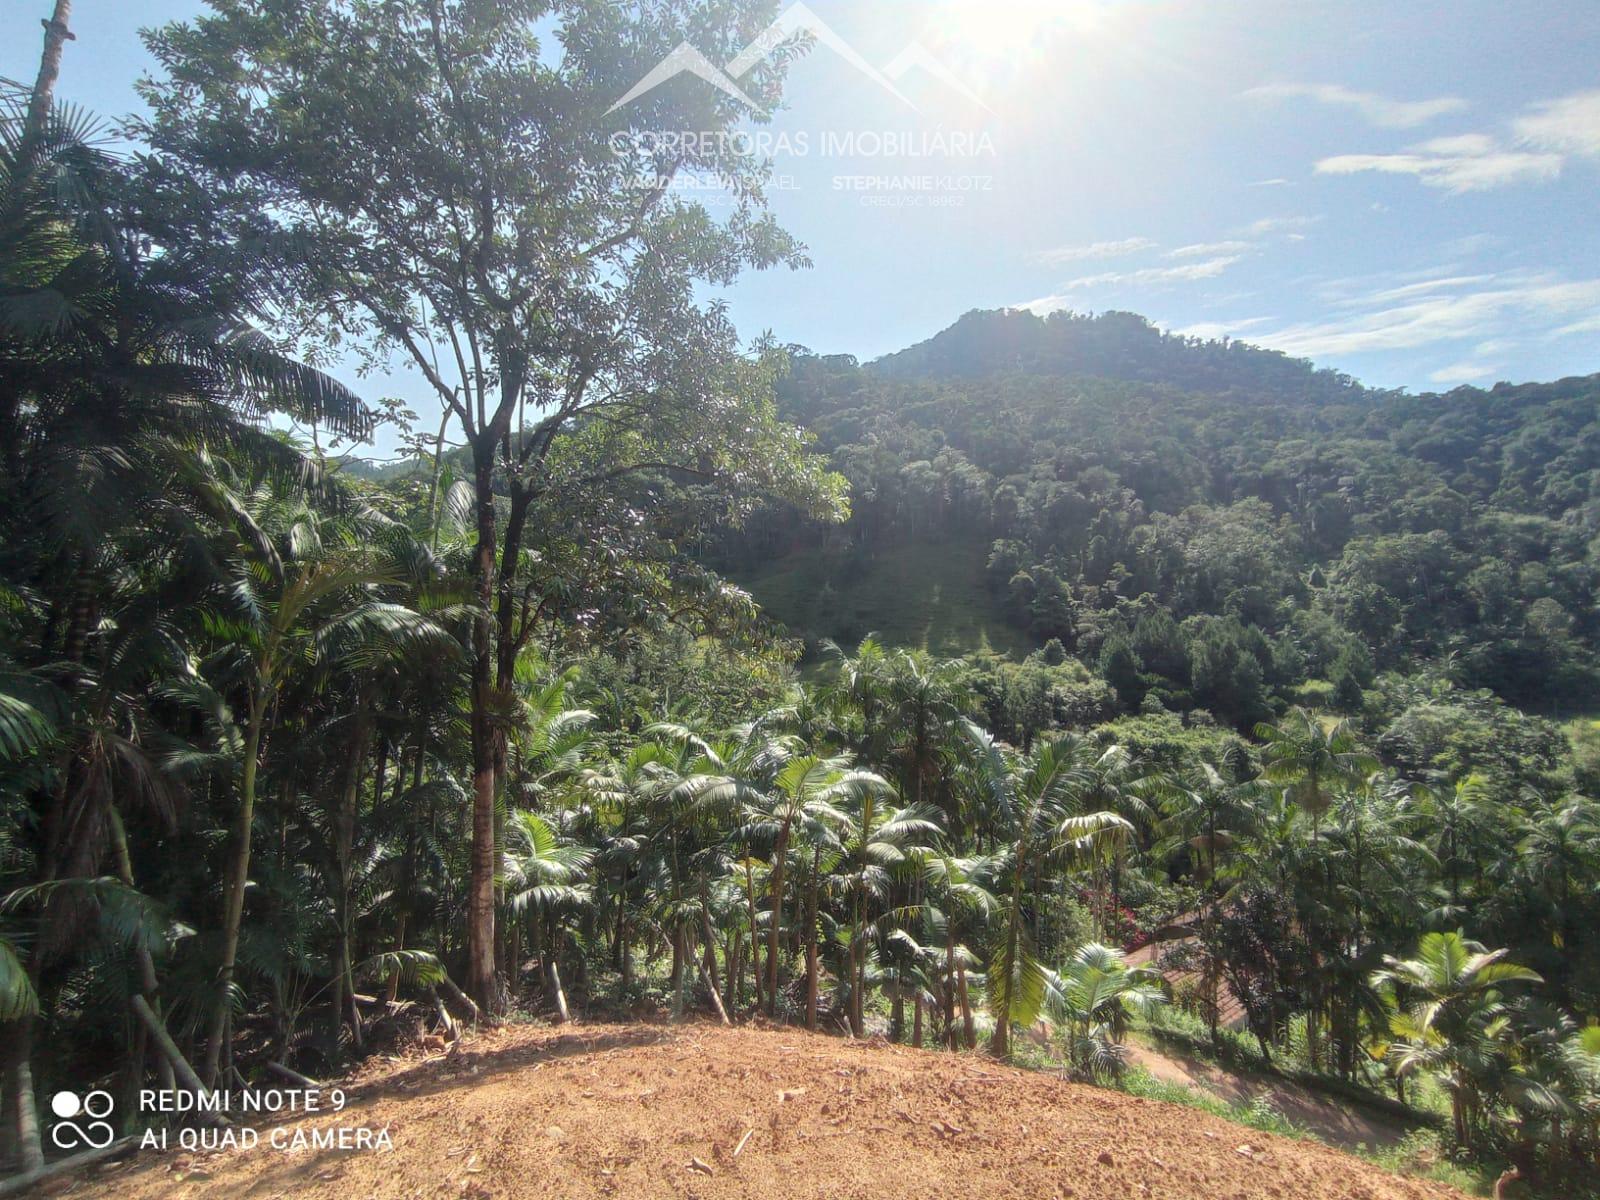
299 757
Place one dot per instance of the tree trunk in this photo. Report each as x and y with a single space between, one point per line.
916 1023
1000 1044
233 893
56 36
344 836
393 991
811 940
778 858
950 980
147 967
811 984
481 980
711 955
677 974
856 971
970 1034
755 936
24 1108
735 973
708 973
622 953
463 1001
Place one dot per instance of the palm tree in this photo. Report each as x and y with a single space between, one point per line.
926 696
1208 817
543 877
1095 995
1558 850
957 884
1455 1023
860 686
698 795
821 832
1309 753
1460 819
880 840
615 803
1313 756
1374 864
804 789
1038 809
1120 783
301 587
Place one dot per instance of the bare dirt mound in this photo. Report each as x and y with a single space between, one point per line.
697 1111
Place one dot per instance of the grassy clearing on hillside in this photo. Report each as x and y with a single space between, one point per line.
922 595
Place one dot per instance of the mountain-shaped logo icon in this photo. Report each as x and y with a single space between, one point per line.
793 21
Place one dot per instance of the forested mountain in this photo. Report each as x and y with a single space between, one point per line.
1113 345
1208 524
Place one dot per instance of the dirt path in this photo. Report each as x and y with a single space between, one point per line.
696 1111
1338 1124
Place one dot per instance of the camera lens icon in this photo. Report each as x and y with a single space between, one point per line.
93 1130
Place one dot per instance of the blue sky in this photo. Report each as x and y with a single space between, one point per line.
1406 191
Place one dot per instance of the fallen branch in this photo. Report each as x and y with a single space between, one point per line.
557 995
84 1158
447 1023
294 1077
461 1000
180 1065
716 998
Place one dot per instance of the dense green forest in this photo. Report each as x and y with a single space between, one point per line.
299 758
1206 523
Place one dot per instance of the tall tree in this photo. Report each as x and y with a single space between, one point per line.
442 183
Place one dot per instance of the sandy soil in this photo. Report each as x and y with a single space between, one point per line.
701 1111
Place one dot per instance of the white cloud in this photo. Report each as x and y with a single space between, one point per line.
1379 110
1093 250
1586 325
1211 249
1410 290
1458 309
1570 125
1212 330
1461 145
1468 163
1463 372
1208 269
1045 305
1271 183
1471 244
1269 225
1544 138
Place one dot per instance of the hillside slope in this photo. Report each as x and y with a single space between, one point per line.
658 1111
1209 524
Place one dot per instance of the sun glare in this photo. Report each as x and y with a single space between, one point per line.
991 29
